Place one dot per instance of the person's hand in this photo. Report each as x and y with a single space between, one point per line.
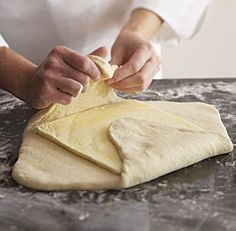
62 75
138 61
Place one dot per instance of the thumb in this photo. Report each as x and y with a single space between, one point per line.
116 57
101 51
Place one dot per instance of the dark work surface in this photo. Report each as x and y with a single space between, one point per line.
200 197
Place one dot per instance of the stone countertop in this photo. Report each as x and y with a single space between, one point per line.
200 197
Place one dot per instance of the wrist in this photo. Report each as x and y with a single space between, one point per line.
24 88
143 22
15 72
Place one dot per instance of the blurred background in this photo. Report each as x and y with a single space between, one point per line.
211 52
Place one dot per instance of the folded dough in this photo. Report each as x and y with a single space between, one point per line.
85 133
150 149
101 141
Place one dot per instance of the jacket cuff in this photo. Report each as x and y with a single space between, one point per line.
182 18
3 42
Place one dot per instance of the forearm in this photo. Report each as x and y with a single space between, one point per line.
15 72
144 22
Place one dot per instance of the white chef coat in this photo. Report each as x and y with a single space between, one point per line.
34 27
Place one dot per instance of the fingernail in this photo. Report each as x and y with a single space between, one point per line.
81 89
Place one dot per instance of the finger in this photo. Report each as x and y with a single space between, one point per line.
101 51
79 62
141 79
80 77
69 86
61 97
117 57
135 64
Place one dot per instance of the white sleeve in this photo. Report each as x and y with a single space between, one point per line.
182 18
3 42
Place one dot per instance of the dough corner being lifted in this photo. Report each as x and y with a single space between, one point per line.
101 141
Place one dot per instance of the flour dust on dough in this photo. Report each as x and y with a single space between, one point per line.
101 141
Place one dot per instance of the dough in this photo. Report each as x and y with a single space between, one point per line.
101 141
85 133
160 148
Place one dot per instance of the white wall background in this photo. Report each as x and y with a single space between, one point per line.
211 52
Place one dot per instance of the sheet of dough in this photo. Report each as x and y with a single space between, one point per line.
160 148
45 165
85 133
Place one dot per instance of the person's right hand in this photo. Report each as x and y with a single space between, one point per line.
62 75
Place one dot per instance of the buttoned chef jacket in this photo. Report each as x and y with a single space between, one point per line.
33 28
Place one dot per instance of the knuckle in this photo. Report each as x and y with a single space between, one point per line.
141 79
45 77
51 65
84 63
47 65
134 67
57 50
54 51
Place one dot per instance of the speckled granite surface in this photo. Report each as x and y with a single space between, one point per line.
200 197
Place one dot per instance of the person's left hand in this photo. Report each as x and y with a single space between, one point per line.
138 61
